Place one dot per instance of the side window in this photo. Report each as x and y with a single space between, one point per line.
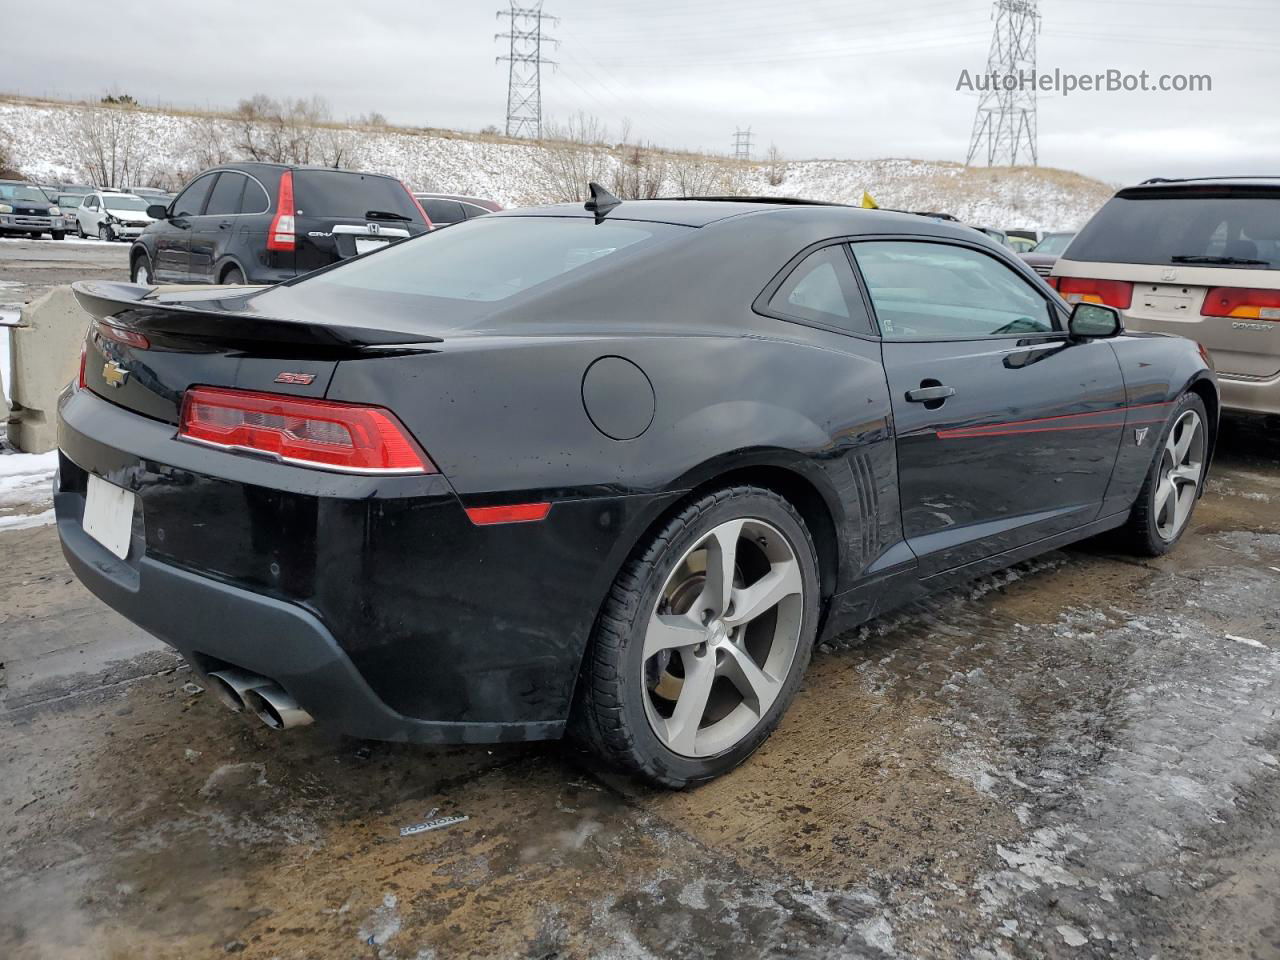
91 203
821 289
939 290
473 210
225 197
191 201
442 211
255 199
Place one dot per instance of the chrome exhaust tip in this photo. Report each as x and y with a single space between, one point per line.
232 685
276 708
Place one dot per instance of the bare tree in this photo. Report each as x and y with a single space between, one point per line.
208 143
642 173
701 176
291 131
775 167
571 155
106 145
8 163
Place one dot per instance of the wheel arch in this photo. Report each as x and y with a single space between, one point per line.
1204 387
227 262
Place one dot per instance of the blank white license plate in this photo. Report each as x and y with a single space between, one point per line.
364 246
108 515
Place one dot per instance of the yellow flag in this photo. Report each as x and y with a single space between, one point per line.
868 203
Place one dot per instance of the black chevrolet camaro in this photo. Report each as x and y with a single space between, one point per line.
610 471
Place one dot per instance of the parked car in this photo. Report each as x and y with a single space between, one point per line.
1197 258
1019 244
67 203
111 215
447 208
999 236
153 195
267 222
28 210
1045 254
611 468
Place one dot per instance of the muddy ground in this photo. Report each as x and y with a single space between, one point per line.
1074 758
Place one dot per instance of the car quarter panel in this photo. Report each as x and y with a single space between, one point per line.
1157 370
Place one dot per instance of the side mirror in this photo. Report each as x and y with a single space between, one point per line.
1093 320
158 211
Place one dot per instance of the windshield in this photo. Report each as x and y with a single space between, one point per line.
491 258
20 191
1164 228
1054 244
123 203
70 199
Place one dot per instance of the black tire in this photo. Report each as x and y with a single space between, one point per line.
105 233
1140 535
233 275
80 231
58 234
36 236
141 262
609 716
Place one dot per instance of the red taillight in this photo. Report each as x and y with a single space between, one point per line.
281 235
514 513
130 338
421 209
84 355
1112 293
1242 302
1053 281
312 433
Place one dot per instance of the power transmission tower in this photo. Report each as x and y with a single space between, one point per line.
742 144
1006 118
524 70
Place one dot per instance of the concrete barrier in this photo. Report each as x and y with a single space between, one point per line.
46 357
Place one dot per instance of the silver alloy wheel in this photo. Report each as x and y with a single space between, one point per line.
1181 466
103 233
142 275
722 637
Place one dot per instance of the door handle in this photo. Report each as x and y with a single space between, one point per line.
933 393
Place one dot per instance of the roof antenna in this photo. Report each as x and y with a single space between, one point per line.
601 201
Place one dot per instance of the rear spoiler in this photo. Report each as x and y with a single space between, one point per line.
218 319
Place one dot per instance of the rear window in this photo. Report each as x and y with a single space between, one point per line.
493 258
1170 229
340 195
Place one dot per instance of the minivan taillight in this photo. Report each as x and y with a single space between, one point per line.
312 433
1242 302
281 235
1112 293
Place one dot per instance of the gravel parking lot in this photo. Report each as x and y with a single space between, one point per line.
1077 757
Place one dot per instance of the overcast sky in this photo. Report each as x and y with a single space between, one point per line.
820 78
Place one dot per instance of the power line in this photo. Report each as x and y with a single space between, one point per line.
524 67
1006 118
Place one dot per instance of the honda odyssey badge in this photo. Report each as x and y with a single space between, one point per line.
114 374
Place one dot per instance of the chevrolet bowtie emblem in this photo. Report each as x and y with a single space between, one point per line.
114 374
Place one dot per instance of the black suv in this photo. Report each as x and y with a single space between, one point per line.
267 222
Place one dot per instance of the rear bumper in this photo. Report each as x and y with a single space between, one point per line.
215 624
373 601
1250 396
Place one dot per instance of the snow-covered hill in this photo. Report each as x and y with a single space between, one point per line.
517 172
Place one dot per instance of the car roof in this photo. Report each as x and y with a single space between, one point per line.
251 166
702 212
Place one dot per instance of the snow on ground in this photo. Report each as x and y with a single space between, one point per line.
514 172
26 489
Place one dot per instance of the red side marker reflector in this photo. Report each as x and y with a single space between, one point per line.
515 513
